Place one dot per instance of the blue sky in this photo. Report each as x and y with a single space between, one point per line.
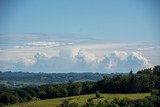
104 19
82 35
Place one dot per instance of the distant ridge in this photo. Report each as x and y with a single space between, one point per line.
23 79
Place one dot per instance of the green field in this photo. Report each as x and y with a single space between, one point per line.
79 99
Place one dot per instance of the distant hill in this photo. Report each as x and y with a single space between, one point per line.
23 79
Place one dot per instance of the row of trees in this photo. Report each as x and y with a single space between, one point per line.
143 81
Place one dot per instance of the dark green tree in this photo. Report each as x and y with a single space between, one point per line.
23 94
74 89
5 98
97 94
30 91
154 92
41 95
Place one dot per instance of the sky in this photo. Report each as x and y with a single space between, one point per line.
79 35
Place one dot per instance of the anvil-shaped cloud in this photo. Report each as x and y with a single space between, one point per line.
70 55
83 60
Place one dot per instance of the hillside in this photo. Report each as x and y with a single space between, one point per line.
78 99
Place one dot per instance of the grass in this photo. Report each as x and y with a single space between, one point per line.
78 99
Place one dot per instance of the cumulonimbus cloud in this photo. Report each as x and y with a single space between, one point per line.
69 55
81 60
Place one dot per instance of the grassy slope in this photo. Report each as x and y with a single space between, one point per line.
79 99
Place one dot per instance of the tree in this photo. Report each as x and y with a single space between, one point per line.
158 93
41 95
3 88
156 70
87 87
13 99
5 98
131 72
154 92
145 71
97 94
63 91
52 92
30 91
23 94
8 98
74 89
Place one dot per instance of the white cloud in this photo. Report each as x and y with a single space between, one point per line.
69 55
83 60
40 56
118 54
105 45
86 56
137 60
27 62
42 44
122 61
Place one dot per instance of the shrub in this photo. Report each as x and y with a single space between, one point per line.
66 103
154 92
73 104
100 104
143 103
125 102
89 103
1 105
97 94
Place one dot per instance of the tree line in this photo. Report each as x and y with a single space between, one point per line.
143 81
